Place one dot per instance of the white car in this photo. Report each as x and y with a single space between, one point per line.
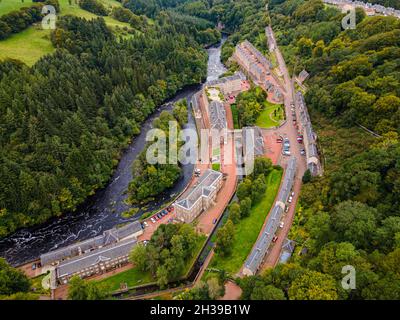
290 199
145 224
153 220
292 193
287 209
281 224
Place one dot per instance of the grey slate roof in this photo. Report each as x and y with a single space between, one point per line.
311 146
94 257
108 237
205 186
236 76
217 116
256 256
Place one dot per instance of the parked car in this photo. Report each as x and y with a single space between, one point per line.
286 152
281 224
153 220
159 215
290 199
279 140
274 239
145 224
292 193
286 142
214 221
303 152
287 209
197 172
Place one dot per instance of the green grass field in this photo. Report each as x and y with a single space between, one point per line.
134 277
247 230
28 46
33 43
7 6
267 118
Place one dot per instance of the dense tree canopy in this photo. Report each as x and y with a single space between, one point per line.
65 121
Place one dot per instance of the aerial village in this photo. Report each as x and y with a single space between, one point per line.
215 179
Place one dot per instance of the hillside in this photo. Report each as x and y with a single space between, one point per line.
34 42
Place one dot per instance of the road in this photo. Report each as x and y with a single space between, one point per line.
290 131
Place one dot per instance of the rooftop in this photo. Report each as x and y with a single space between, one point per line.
94 257
204 187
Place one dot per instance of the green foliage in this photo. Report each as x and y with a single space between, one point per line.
80 289
313 285
307 176
169 249
249 105
224 240
18 20
234 212
350 216
150 179
180 112
93 6
65 121
12 281
212 289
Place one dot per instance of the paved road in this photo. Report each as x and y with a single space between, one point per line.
290 131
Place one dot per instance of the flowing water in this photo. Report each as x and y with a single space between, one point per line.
103 210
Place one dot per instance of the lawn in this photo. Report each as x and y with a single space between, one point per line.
28 46
247 230
34 42
268 118
216 166
7 6
235 116
134 277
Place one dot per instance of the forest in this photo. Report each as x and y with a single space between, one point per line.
65 121
151 179
351 215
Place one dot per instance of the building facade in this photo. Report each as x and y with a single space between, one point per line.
200 197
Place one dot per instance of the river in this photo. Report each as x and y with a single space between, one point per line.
103 210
